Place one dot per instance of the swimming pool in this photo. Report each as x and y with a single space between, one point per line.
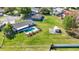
29 29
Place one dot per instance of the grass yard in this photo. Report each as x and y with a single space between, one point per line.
1 38
2 18
42 40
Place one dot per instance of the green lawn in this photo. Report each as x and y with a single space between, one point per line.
42 40
2 18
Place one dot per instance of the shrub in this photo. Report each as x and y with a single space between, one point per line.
69 22
8 31
45 11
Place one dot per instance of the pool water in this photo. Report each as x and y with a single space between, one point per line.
29 29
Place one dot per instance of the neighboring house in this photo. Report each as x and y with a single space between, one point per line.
18 27
37 17
68 12
58 11
34 15
10 19
35 9
71 12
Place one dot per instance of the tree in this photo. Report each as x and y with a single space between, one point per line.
69 22
9 10
17 11
73 7
8 31
77 8
24 11
45 11
68 8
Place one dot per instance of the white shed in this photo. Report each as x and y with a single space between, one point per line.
55 30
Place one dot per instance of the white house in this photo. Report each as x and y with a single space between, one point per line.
57 10
35 9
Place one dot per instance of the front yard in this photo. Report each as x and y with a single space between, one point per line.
42 40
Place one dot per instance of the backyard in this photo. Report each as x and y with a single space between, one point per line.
42 40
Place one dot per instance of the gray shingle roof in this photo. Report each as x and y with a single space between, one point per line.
37 16
18 25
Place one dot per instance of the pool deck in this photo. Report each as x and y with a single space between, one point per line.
33 31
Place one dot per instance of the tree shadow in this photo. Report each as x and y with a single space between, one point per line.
10 36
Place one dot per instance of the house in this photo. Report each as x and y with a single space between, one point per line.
19 27
10 19
71 12
34 15
37 17
34 12
68 12
58 11
35 9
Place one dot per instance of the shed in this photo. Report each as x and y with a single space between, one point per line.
55 30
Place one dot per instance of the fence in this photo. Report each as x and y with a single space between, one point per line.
54 46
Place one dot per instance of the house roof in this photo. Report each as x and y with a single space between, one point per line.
71 12
21 25
57 10
35 9
37 16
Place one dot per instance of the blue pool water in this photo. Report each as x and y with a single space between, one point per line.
28 29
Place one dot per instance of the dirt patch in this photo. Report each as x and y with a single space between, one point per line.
74 33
